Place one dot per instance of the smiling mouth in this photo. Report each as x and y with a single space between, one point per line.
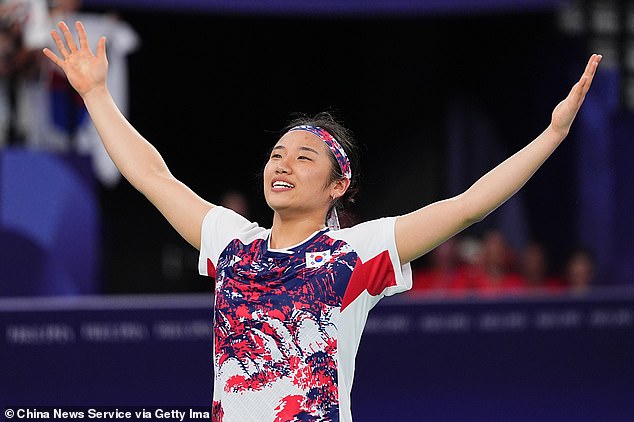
282 185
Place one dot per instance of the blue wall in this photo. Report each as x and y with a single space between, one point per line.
548 359
50 234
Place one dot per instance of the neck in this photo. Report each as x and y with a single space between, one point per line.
288 231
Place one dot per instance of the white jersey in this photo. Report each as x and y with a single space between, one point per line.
287 322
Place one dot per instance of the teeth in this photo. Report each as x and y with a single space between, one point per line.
280 184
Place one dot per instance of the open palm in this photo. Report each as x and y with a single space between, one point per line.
85 71
565 112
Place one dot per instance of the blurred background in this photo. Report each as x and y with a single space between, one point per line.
533 301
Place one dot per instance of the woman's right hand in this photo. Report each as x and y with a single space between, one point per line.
85 71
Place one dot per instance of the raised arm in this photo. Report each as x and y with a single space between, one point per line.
139 162
422 230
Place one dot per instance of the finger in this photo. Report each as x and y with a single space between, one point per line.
576 95
582 90
60 44
101 48
68 36
589 75
83 37
591 67
53 57
594 61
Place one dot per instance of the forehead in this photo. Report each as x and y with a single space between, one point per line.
302 138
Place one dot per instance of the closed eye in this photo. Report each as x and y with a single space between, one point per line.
303 157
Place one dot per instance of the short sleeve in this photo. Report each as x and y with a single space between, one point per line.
220 227
375 244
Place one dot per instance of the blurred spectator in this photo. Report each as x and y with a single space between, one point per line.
535 270
440 276
492 272
24 31
59 119
236 201
580 269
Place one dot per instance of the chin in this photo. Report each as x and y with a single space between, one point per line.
276 204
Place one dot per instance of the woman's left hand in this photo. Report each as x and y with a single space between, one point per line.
565 112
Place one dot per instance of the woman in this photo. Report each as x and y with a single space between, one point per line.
292 301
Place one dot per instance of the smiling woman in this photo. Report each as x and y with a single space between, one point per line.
342 144
309 140
292 300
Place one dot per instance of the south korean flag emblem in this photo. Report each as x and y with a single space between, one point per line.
317 259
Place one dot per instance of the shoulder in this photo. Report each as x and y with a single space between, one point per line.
368 238
223 222
367 228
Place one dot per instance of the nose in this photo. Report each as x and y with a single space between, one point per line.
282 167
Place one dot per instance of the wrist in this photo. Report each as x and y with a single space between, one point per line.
99 91
558 133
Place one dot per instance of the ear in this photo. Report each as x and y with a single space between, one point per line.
339 188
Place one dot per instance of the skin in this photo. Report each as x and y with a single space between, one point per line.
301 159
300 211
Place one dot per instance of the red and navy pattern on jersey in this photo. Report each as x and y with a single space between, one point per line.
275 323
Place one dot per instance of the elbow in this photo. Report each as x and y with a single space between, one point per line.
145 181
469 211
470 220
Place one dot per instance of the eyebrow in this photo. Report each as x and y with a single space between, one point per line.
303 148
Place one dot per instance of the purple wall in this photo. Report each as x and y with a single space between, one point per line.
50 234
546 359
330 7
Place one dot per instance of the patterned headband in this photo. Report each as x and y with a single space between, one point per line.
331 142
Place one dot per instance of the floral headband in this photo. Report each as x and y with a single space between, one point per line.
333 144
332 220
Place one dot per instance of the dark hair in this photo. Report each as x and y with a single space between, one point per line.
345 138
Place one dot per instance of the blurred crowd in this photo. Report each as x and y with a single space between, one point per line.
38 108
489 266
